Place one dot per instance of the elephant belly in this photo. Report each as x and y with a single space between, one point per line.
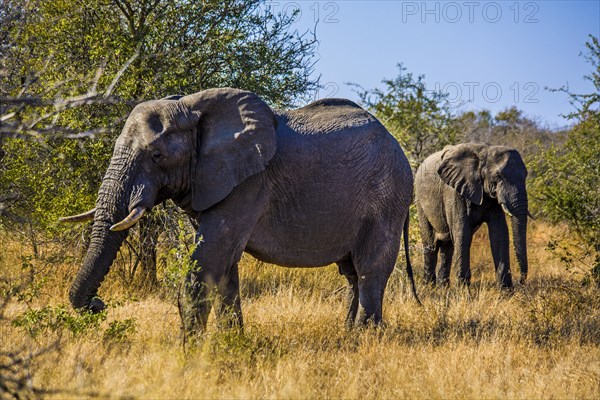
295 257
297 242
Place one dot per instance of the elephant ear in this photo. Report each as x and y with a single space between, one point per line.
235 140
460 169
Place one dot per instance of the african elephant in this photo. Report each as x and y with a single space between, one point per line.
458 189
304 188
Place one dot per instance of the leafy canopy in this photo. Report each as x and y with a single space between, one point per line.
75 68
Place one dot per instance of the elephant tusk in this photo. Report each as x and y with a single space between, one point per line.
505 209
130 220
86 216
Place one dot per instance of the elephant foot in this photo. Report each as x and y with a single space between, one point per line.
368 324
193 317
192 329
429 280
505 281
523 279
464 282
443 282
507 288
230 320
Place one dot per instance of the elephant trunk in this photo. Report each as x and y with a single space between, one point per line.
111 206
519 228
103 249
513 200
519 212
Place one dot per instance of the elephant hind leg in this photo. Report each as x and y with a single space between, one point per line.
374 262
370 295
346 268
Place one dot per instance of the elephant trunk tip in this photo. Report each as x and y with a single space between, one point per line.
82 301
95 305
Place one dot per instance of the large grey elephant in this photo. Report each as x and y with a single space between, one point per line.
457 190
322 184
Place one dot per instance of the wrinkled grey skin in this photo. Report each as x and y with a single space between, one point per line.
457 190
305 188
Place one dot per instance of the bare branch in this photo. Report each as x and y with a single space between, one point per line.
112 85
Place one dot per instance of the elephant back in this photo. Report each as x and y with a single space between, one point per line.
327 116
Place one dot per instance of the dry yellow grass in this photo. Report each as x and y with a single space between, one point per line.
541 342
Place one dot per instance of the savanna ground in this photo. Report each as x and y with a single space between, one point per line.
543 341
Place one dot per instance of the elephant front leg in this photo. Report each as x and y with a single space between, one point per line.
462 255
211 282
195 302
223 233
498 233
229 308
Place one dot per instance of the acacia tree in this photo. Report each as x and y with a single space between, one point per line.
75 69
420 119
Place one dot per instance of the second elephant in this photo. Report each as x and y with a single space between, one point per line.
457 190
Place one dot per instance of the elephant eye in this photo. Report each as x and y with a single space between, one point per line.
156 156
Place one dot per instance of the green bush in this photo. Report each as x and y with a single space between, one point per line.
567 181
566 177
120 331
52 179
57 319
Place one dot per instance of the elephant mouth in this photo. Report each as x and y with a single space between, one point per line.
510 214
142 199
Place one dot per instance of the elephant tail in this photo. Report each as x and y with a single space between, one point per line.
409 269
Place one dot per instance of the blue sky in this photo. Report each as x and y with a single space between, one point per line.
485 54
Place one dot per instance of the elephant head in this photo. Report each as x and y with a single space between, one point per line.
496 173
193 149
